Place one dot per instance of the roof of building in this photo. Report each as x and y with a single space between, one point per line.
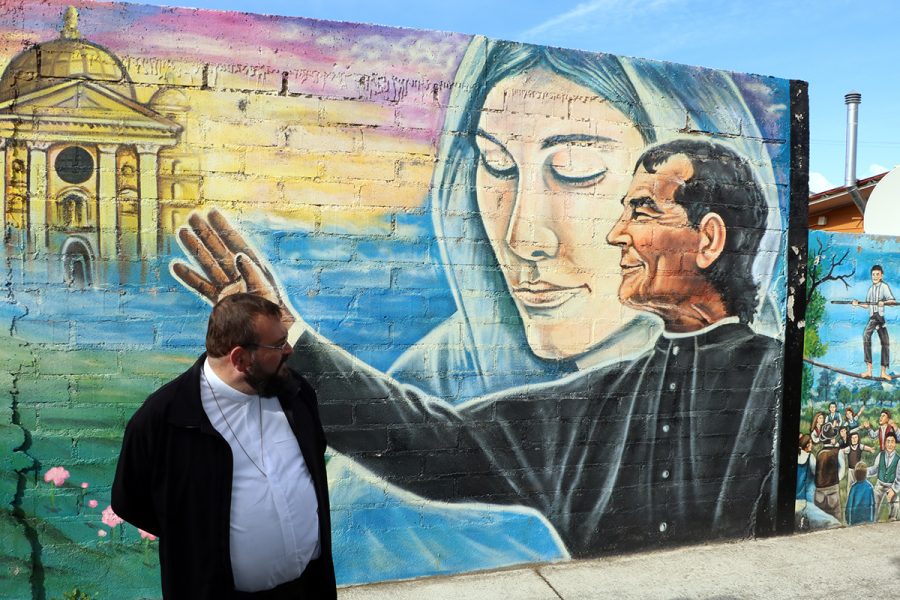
837 197
68 57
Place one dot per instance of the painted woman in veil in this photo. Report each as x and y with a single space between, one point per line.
536 152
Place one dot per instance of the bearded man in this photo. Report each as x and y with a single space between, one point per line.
226 464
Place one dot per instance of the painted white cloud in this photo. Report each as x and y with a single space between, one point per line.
577 18
876 169
818 183
580 11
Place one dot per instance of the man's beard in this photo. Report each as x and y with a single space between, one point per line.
266 384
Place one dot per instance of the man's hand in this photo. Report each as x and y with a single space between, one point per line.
228 264
891 495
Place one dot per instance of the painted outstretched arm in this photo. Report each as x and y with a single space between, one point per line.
224 264
376 420
873 470
473 452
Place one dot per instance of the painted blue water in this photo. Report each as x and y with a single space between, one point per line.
342 285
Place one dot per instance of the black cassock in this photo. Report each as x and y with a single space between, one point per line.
676 446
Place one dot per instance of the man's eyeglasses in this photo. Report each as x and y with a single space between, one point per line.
282 346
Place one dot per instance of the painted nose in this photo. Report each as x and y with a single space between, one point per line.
531 233
618 236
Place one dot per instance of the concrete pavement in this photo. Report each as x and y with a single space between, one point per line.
801 565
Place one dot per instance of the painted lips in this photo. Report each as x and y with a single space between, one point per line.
545 295
630 269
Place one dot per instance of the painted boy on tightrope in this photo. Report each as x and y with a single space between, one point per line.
878 296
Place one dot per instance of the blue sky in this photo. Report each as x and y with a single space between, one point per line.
836 46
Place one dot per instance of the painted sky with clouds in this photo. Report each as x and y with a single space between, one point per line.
836 46
235 38
833 45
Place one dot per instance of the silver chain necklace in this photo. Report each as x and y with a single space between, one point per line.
262 456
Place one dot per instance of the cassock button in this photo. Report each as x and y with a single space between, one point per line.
665 474
663 526
666 428
672 386
675 350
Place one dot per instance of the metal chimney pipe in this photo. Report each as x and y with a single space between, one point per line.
852 100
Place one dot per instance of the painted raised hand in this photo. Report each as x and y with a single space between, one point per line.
227 263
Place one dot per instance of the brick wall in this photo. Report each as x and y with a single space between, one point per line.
448 210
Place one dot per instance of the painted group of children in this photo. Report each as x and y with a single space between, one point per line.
833 450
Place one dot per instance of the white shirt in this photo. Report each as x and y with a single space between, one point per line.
274 518
879 292
886 458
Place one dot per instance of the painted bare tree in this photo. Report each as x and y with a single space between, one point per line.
823 266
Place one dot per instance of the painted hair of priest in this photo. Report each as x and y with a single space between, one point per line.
232 322
722 183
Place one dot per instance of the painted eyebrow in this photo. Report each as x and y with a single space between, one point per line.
489 137
574 138
642 202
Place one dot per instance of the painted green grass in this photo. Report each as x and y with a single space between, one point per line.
70 411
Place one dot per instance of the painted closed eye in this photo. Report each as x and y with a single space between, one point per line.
495 159
578 166
640 215
643 209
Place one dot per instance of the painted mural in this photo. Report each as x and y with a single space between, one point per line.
846 460
541 293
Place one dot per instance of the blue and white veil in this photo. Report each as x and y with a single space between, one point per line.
709 103
482 348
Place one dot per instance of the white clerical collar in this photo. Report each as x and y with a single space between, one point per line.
223 391
673 335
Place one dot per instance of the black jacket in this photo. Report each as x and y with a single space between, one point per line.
174 480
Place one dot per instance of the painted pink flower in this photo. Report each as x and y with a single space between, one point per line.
111 519
57 475
92 503
84 485
146 535
101 533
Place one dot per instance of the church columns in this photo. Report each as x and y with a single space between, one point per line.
107 217
37 194
148 199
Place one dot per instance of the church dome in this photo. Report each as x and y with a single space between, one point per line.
68 57
169 100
